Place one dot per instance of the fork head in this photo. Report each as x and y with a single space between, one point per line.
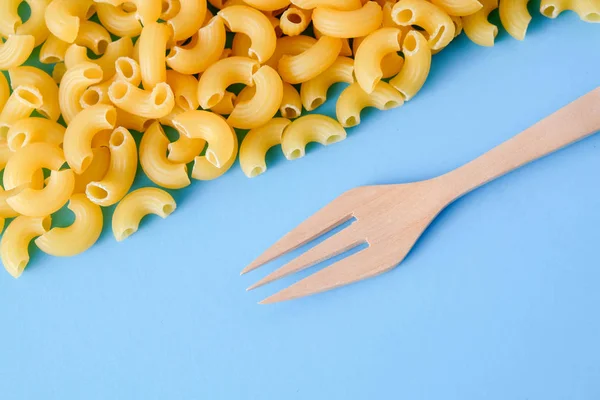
389 218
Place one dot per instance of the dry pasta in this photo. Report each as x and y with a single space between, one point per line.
15 50
14 245
348 24
370 54
33 130
36 78
303 67
118 21
413 74
152 47
310 128
353 99
188 19
11 23
155 103
64 17
435 21
314 92
291 103
478 28
256 144
588 10
53 50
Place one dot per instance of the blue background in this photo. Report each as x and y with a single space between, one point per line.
498 300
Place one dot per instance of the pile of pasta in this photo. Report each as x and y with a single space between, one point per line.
137 66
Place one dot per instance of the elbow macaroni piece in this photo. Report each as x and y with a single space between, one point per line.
170 8
342 5
53 50
152 48
4 91
201 54
35 77
205 171
20 104
184 150
121 171
80 235
93 36
348 24
256 144
74 83
58 72
413 74
314 92
370 54
309 64
81 131
290 45
146 11
256 26
152 104
14 250
263 105
22 167
310 128
135 206
76 55
63 17
11 23
263 5
95 172
434 20
189 19
478 28
157 167
184 89
34 130
294 21
588 11
291 103
458 8
118 21
515 17
16 50
225 106
353 99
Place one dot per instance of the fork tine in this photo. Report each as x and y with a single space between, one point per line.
331 247
361 265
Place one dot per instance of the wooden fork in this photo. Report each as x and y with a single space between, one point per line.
390 218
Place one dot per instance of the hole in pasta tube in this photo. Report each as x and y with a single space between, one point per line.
147 124
256 171
125 234
278 31
549 11
117 138
90 12
297 153
29 96
17 141
102 45
350 122
94 73
168 209
410 44
214 100
111 116
129 7
160 95
96 193
437 35
316 102
294 17
47 223
290 112
118 90
592 17
166 6
90 97
390 104
125 68
184 102
85 163
50 60
212 158
403 17
334 138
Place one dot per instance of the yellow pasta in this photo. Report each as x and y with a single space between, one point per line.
4 91
53 50
294 21
81 131
435 21
11 23
63 18
76 55
291 103
126 69
74 83
310 128
290 45
342 5
263 105
314 92
515 17
96 171
155 103
478 28
34 130
189 18
391 63
225 106
152 47
203 170
121 171
170 8
370 54
220 75
213 129
204 52
80 235
348 24
35 77
588 10
59 72
118 21
93 36
135 206
15 50
6 211
184 89
256 144
156 165
5 154
314 61
132 122
14 247
457 21
184 150
263 5
147 11
353 99
20 104
413 74
458 8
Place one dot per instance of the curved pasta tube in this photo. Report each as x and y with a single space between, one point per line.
155 103
6 211
416 67
96 171
37 78
14 247
53 50
34 130
294 21
121 171
256 144
220 75
342 5
41 202
263 105
25 163
478 28
126 69
152 48
290 45
80 235
147 11
15 50
314 92
63 17
184 150
20 104
391 63
118 21
346 50
515 17
93 36
256 26
264 5
135 206
434 20
353 99
370 54
225 106
74 83
588 11
310 128
184 89
156 165
76 55
206 50
203 170
303 67
170 8
11 23
240 45
210 127
132 122
348 24
81 131
189 19
458 8
291 103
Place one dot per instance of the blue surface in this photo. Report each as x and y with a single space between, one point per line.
498 300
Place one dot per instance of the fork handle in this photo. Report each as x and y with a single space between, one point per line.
571 123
